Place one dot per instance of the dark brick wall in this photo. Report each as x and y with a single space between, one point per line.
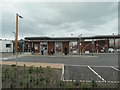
66 45
51 45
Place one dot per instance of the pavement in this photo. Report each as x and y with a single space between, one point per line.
52 65
8 56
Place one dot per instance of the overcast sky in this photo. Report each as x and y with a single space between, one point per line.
60 19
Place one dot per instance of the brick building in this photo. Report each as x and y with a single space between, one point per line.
72 45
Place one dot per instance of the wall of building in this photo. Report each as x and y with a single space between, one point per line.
96 46
51 46
66 47
6 46
73 46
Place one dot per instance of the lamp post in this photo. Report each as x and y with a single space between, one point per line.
80 44
16 36
114 41
92 46
14 43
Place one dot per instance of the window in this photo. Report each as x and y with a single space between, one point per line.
36 46
8 45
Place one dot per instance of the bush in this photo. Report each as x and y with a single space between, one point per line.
13 65
30 70
76 83
94 84
24 65
60 83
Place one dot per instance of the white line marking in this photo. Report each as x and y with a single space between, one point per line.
87 65
96 73
90 81
62 76
8 58
11 57
115 68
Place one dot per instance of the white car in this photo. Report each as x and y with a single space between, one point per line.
111 50
118 50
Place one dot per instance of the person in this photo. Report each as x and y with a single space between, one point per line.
52 51
13 51
42 51
32 50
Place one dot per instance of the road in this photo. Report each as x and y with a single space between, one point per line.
96 60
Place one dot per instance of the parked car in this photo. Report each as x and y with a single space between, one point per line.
111 50
118 50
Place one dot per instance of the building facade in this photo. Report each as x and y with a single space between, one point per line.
6 45
72 45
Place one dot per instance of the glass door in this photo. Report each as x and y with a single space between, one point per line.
58 47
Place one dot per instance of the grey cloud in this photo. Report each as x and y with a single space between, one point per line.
60 19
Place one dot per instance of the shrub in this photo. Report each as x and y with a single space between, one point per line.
27 85
30 70
21 83
42 79
40 70
13 65
11 86
37 81
24 65
76 83
93 84
60 83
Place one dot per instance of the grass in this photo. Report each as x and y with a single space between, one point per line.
39 77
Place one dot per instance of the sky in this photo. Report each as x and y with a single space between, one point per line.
59 19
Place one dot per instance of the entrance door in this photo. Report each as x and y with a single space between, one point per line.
58 47
36 47
44 48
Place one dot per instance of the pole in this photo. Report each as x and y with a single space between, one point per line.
80 53
92 46
114 43
16 39
80 46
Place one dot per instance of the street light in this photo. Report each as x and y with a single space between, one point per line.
92 46
80 44
114 42
14 43
16 36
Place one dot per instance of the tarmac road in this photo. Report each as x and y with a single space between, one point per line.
96 60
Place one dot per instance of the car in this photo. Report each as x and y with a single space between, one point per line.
110 50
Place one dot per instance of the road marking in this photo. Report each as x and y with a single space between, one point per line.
96 73
115 68
62 76
8 58
86 65
90 81
11 57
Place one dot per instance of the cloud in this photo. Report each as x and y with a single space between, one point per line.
60 19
